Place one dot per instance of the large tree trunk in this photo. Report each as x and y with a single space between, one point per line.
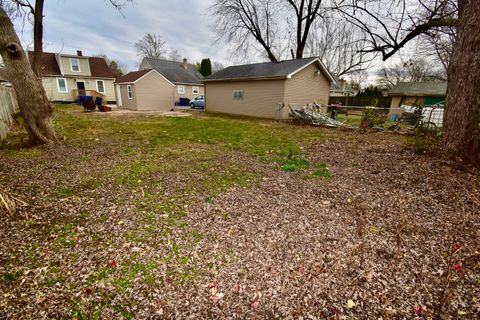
462 112
34 106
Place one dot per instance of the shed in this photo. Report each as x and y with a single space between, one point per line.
144 90
265 89
417 94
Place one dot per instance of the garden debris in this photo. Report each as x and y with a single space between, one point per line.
312 115
9 203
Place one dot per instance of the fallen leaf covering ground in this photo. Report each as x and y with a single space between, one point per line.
148 217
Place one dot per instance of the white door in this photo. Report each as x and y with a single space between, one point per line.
119 96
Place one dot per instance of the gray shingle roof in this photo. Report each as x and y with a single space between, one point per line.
419 89
261 70
175 72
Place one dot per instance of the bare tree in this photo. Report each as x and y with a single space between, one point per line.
217 66
392 24
241 21
34 106
173 55
151 46
306 12
438 45
412 70
338 44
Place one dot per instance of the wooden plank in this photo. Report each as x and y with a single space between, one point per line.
8 106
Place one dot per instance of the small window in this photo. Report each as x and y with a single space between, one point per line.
129 91
181 89
100 86
62 85
75 65
195 90
238 94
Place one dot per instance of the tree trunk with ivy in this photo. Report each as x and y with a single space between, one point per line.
34 105
462 112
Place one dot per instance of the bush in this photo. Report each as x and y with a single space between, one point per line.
373 118
424 138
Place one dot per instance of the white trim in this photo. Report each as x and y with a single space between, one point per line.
59 63
103 84
322 66
58 85
130 93
183 89
198 90
119 95
71 65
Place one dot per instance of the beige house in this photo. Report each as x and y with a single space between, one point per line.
417 94
63 75
184 76
264 90
144 90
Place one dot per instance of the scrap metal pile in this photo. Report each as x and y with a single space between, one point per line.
312 115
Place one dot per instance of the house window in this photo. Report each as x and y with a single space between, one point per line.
75 65
238 94
129 91
195 90
62 85
181 89
100 86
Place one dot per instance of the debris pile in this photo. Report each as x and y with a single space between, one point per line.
312 115
9 203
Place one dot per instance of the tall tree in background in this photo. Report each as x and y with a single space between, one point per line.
291 28
151 46
206 67
306 12
391 27
34 106
173 55
412 70
240 22
338 44
113 66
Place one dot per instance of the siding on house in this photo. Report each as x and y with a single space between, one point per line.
84 66
126 102
305 87
188 91
50 86
154 93
151 92
260 98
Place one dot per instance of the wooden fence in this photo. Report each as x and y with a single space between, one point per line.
8 106
383 102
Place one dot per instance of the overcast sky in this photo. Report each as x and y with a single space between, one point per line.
94 26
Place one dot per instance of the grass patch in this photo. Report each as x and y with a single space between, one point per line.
321 170
64 192
292 165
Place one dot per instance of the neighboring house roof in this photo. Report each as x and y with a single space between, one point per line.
176 72
49 64
99 68
267 70
419 89
98 65
132 76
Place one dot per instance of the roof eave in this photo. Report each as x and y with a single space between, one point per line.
247 79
